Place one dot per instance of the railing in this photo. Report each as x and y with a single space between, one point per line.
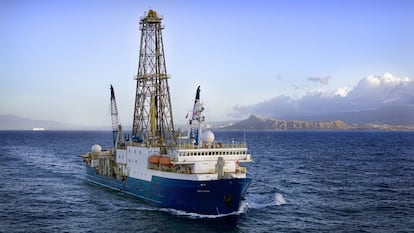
181 145
210 146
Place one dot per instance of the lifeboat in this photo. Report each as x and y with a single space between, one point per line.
154 159
166 161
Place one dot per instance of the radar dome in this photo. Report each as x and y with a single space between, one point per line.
96 148
207 137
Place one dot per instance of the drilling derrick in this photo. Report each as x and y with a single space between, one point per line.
153 121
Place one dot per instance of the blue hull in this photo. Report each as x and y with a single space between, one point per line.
203 197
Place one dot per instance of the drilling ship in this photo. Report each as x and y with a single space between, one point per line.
192 172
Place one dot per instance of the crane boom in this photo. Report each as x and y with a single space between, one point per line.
195 133
116 126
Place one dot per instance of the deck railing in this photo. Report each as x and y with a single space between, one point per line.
210 146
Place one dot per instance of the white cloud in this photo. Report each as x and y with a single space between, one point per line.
342 91
370 92
388 89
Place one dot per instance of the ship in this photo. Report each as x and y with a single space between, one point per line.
185 171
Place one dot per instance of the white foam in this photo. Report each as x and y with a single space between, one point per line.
242 209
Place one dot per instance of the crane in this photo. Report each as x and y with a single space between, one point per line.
116 126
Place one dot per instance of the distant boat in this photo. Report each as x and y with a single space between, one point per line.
192 173
38 129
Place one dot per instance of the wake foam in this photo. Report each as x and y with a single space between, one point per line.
255 202
242 209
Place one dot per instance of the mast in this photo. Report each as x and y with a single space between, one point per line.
153 121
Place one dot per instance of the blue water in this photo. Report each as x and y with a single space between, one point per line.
302 182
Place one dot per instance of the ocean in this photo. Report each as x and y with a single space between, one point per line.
303 181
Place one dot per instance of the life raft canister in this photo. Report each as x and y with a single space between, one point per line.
166 161
155 159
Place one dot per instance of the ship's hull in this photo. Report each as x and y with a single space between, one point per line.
214 197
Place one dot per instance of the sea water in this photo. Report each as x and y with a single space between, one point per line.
303 181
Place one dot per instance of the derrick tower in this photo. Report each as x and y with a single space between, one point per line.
153 121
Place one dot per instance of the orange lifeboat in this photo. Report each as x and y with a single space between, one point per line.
154 159
166 161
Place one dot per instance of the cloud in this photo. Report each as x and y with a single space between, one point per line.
321 80
370 92
388 89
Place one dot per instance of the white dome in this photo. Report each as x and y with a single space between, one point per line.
96 148
207 137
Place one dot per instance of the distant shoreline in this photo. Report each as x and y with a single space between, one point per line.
408 129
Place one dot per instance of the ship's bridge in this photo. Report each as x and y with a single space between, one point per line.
229 152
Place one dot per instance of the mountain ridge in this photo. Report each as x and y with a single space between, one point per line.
388 114
390 118
12 122
258 123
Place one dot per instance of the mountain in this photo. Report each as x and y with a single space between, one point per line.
402 115
257 123
11 122
386 99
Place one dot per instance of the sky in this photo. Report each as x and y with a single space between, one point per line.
275 58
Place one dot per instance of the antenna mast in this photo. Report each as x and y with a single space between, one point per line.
153 121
